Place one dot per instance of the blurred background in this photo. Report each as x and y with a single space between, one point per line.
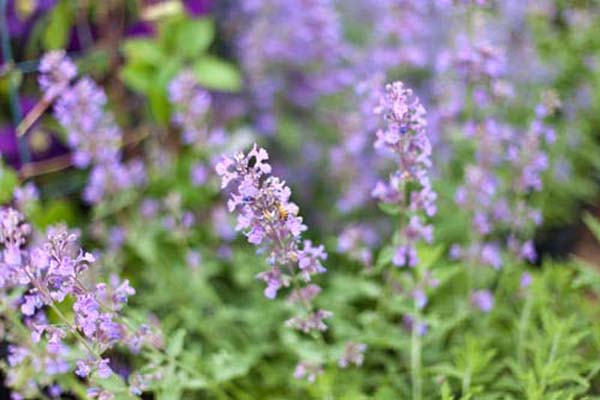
168 87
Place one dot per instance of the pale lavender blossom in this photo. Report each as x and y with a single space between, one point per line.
404 136
483 300
526 280
271 222
353 354
25 195
92 132
56 73
191 105
308 370
49 273
301 63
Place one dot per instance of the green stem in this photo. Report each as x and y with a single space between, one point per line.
523 323
415 357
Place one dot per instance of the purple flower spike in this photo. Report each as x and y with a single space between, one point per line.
405 137
271 222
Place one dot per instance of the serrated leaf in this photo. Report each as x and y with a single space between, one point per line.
216 74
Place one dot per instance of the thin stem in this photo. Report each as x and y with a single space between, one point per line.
523 323
59 313
415 357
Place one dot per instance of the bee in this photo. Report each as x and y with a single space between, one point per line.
283 212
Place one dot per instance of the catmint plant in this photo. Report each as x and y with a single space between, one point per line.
92 132
404 137
270 221
46 276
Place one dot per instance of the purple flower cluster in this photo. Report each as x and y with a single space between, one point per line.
48 274
301 62
405 137
56 71
270 221
353 354
92 132
192 104
357 241
499 203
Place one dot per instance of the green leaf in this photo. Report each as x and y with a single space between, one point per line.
159 105
8 182
385 257
390 209
593 224
194 37
59 26
138 77
53 212
446 392
143 51
166 73
216 74
176 343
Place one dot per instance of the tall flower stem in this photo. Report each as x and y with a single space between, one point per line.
523 323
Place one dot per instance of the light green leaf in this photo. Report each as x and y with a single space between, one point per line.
175 345
217 74
143 51
194 37
159 105
390 209
138 77
59 26
8 182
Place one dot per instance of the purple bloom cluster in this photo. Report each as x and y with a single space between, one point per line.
270 221
56 71
48 274
300 62
308 370
497 202
92 132
192 104
357 241
404 137
483 300
353 354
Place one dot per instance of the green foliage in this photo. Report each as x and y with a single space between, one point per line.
58 28
182 43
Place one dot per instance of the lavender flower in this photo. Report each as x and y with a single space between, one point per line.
56 71
483 299
301 62
357 241
405 137
92 133
49 273
192 104
270 221
308 370
25 195
353 354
